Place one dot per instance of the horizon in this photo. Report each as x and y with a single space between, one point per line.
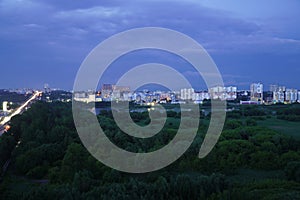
155 87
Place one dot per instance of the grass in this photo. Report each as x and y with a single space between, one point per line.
282 126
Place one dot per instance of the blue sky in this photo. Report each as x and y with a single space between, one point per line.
45 41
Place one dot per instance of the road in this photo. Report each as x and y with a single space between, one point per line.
18 111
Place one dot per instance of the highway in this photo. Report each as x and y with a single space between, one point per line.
18 111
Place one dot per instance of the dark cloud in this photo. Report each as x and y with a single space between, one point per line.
52 35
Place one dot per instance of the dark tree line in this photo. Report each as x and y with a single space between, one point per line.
50 162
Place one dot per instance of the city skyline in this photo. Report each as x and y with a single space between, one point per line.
251 41
256 95
154 87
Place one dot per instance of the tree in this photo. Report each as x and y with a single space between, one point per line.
7 143
292 171
74 160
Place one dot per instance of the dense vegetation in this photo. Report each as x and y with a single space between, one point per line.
48 160
290 114
11 97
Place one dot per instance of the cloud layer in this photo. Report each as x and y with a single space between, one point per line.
53 37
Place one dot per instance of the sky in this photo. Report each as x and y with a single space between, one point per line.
45 41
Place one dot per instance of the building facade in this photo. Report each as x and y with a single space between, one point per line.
187 94
257 91
291 95
279 94
223 93
4 106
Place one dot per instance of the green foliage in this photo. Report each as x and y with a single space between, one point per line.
233 124
7 143
51 163
12 97
289 114
292 171
251 122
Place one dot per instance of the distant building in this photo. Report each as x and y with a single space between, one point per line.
268 97
91 98
127 96
231 93
80 95
47 88
217 92
257 91
4 106
201 96
119 91
111 92
86 97
250 102
106 91
121 88
243 96
187 94
116 95
223 93
279 94
291 95
171 97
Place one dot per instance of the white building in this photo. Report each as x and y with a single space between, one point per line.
83 97
128 96
4 106
223 93
200 96
187 94
279 94
291 95
217 92
231 93
257 91
80 95
116 95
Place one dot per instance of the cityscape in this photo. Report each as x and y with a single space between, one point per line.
150 100
257 94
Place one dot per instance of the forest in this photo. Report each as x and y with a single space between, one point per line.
254 159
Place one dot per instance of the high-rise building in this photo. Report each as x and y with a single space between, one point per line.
291 95
79 95
257 91
279 94
118 92
127 96
217 92
47 88
268 97
200 96
231 93
223 93
106 91
187 94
